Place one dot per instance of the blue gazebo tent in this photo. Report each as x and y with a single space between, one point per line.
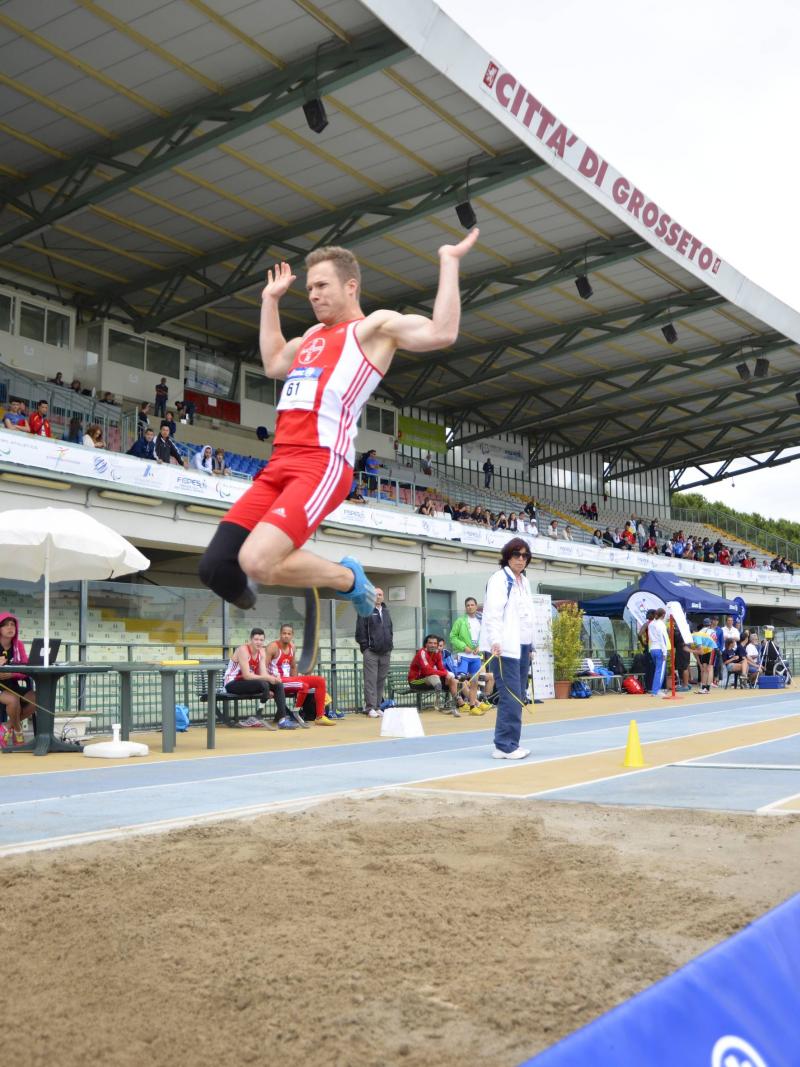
667 587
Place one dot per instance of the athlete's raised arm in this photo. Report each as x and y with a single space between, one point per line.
415 333
277 353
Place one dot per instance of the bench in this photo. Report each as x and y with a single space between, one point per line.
225 701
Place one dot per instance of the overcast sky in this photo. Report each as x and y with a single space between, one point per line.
694 102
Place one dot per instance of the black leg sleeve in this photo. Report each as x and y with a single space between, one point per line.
219 566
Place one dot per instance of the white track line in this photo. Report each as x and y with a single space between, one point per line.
162 826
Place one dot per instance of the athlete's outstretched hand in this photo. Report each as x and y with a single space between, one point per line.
460 250
278 282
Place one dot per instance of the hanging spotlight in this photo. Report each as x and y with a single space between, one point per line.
743 371
464 210
316 116
670 333
466 215
313 108
583 285
762 368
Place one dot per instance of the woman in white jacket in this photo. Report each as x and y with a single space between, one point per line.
507 633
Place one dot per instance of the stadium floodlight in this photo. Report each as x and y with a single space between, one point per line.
762 368
743 371
670 333
584 287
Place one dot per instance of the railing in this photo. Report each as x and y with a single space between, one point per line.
771 543
64 404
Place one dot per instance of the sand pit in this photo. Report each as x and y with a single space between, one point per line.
408 929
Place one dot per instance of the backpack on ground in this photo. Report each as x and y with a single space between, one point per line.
580 690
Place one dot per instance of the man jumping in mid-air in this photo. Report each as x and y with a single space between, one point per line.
330 372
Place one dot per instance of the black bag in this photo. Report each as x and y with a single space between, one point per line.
641 663
617 665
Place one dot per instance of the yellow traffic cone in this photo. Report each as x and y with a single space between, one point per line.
633 749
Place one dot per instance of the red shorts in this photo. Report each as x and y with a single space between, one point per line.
295 491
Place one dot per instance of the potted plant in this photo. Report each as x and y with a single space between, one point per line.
567 646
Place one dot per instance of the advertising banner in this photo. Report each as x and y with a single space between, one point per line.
118 469
504 454
416 433
542 664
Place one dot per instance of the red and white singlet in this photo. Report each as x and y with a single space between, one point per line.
328 384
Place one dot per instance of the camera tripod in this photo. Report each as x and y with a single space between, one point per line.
770 661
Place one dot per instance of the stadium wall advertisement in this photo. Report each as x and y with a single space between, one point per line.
43 456
416 433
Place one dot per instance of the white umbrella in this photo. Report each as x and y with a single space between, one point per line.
63 545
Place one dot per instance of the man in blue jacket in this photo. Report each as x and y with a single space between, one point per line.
144 447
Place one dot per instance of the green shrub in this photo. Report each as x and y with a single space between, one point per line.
565 630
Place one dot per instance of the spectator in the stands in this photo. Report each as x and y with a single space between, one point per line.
480 515
488 473
426 507
530 509
39 422
108 398
355 496
58 380
566 533
501 522
426 465
75 385
593 511
552 529
372 466
724 556
162 392
144 447
74 432
166 450
650 546
597 539
93 438
584 510
143 417
749 562
186 410
492 520
461 512
203 459
608 537
641 534
618 541
219 466
629 535
513 522
169 421
14 418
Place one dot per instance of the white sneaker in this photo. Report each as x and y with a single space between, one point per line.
518 753
373 713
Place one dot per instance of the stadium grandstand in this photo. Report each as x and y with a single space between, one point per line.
158 158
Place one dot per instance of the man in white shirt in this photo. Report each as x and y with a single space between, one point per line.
658 643
729 631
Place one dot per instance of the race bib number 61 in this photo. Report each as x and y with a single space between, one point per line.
300 389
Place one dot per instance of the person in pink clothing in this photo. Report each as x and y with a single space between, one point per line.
14 686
